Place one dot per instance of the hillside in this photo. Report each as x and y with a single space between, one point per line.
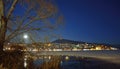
67 41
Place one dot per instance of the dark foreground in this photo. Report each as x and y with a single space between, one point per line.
19 60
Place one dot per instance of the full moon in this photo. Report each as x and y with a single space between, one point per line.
25 36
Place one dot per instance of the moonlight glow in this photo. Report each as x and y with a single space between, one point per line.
25 36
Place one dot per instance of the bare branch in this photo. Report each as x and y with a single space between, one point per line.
12 8
39 13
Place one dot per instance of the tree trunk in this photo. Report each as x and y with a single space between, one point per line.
3 25
2 32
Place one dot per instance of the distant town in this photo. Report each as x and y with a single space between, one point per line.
57 45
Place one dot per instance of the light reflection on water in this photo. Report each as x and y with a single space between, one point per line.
67 57
25 62
31 61
57 62
49 57
66 62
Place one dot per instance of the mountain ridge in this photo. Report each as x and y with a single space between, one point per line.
81 42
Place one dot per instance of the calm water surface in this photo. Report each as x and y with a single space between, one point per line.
70 62
17 61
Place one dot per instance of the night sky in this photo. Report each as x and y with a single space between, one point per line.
91 20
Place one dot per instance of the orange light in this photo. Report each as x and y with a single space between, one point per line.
49 44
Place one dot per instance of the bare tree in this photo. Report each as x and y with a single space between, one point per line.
35 15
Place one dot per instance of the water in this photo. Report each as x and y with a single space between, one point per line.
72 62
19 61
58 62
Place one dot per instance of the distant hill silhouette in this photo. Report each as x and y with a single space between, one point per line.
81 42
67 41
